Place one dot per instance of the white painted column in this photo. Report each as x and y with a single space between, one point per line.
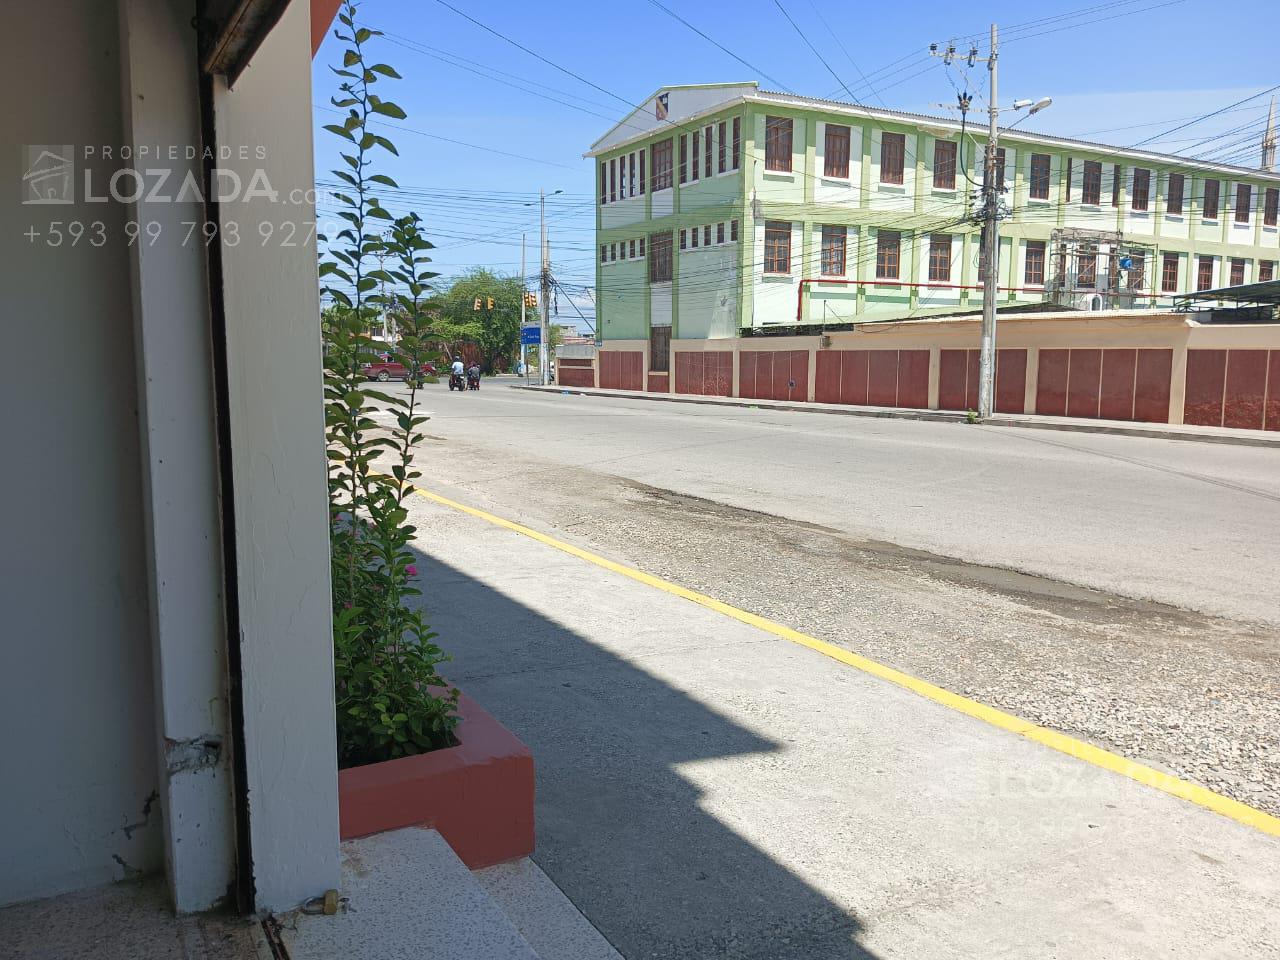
272 311
179 468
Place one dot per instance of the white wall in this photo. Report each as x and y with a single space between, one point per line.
79 764
281 500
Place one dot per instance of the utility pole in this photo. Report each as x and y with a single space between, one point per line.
989 214
524 362
544 352
991 237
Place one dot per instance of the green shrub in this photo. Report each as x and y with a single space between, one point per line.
391 699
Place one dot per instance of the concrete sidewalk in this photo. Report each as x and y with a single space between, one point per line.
708 790
1254 438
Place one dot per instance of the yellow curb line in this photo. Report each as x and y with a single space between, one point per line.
1234 809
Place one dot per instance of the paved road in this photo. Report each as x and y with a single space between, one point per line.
1189 524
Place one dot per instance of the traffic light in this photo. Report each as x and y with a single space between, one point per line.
476 306
531 300
491 303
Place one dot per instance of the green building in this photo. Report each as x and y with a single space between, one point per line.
724 208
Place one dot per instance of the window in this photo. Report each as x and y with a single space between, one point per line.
1116 172
1169 273
1211 188
1244 200
660 255
833 247
622 177
944 165
613 180
719 233
893 147
694 236
835 152
632 248
661 165
1091 190
888 254
642 180
1204 273
604 182
604 253
642 246
1069 163
660 349
777 245
722 153
1173 195
737 142
1040 176
706 235
940 256
613 253
684 159
696 150
777 143
682 239
1266 270
706 145
1137 271
1237 271
631 177
1033 272
733 230
1141 188
1271 206
1087 270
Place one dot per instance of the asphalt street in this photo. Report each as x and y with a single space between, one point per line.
1187 524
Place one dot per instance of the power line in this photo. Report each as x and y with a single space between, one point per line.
834 36
778 4
536 56
716 43
1182 126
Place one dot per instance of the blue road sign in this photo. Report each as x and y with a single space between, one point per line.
530 336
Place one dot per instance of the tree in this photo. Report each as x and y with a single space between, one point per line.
494 330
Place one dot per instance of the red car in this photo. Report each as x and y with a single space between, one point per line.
387 368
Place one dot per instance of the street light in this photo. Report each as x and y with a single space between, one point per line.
544 349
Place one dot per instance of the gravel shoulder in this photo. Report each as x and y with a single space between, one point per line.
1196 695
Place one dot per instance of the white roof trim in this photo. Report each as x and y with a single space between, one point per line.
924 120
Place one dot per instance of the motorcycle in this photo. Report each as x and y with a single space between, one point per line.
456 382
473 381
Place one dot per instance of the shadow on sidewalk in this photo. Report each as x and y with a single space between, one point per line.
620 831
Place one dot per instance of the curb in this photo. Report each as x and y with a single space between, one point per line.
1112 427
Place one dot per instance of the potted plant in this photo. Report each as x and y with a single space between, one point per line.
411 749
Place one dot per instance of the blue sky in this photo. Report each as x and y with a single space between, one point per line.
1118 72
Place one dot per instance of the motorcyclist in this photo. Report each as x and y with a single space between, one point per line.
458 367
473 372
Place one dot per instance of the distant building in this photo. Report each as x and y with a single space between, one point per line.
745 209
727 212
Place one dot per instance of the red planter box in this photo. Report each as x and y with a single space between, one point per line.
478 795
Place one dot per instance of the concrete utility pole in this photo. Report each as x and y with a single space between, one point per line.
991 238
544 351
524 363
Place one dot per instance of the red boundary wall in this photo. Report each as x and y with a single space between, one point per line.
773 374
958 380
1111 384
621 370
704 373
877 378
1233 388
